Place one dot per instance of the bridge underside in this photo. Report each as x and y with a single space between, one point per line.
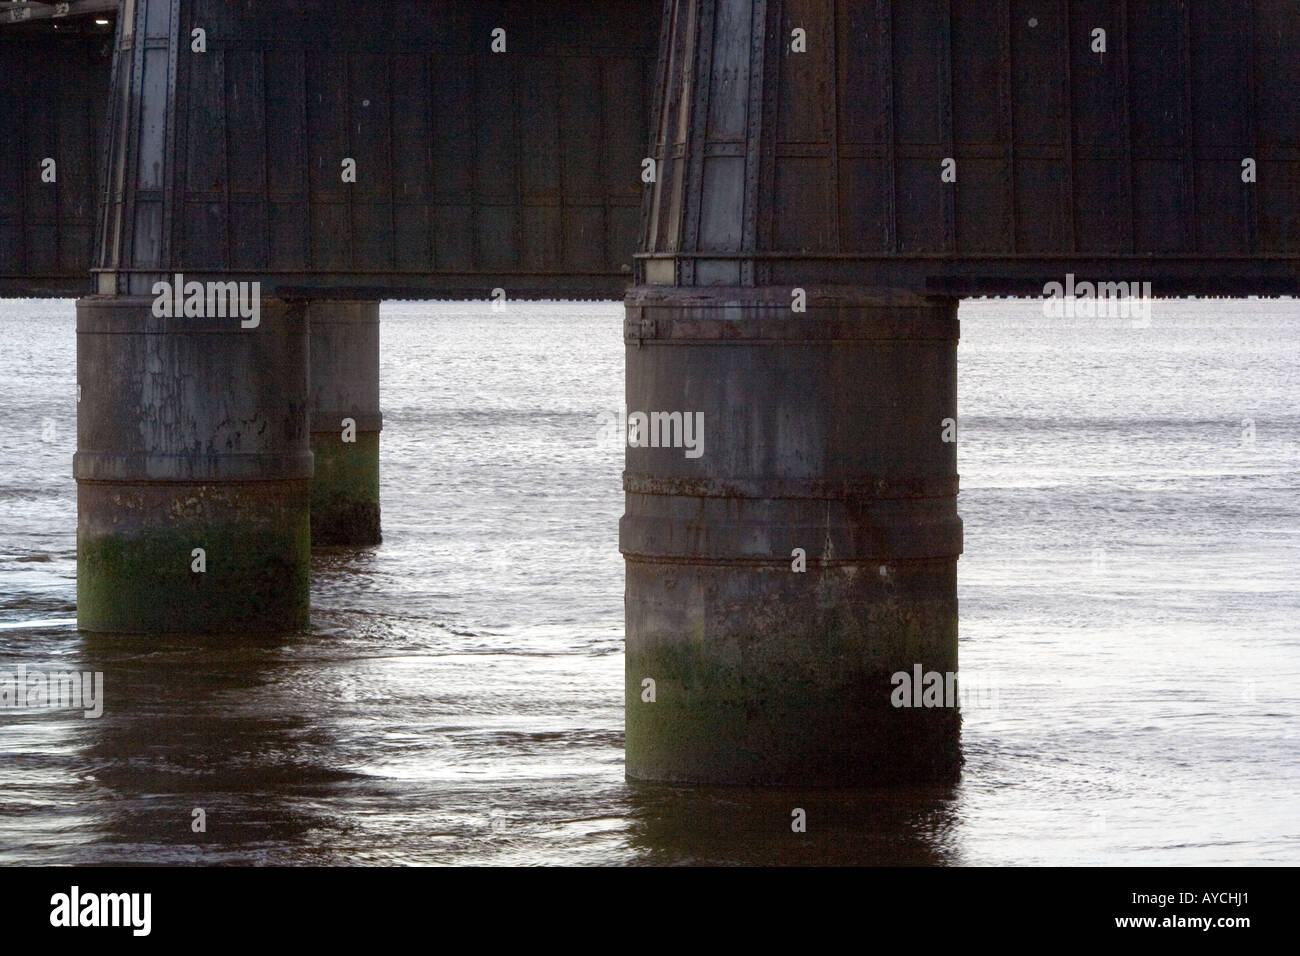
522 170
473 169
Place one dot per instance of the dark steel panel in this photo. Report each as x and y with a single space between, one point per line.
370 131
1098 155
1277 34
623 146
523 169
917 49
453 161
919 124
947 190
581 116
724 194
1277 125
976 43
539 128
1279 210
1043 196
1101 187
1006 108
983 201
329 144
54 91
78 142
14 174
983 204
920 201
412 148
40 140
287 167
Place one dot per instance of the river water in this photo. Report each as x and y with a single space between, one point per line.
1130 622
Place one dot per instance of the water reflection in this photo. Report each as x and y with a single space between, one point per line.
197 723
254 732
712 826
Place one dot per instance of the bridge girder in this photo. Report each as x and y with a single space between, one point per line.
522 170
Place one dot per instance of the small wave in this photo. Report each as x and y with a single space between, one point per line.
70 622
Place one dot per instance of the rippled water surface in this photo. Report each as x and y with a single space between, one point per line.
1130 625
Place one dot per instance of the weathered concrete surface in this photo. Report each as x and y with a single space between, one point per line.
345 388
823 431
191 433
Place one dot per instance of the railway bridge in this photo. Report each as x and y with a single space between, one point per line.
791 197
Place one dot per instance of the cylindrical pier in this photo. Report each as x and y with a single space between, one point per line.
345 422
193 470
821 432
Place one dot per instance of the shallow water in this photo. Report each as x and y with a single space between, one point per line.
1129 621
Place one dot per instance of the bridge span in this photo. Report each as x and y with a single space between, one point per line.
791 197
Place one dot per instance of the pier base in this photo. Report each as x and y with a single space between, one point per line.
193 470
345 423
823 433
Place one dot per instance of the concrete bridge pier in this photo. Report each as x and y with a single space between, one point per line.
345 422
193 460
777 582
193 470
791 531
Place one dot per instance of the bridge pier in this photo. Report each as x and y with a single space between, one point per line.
778 581
194 458
790 574
193 470
345 422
